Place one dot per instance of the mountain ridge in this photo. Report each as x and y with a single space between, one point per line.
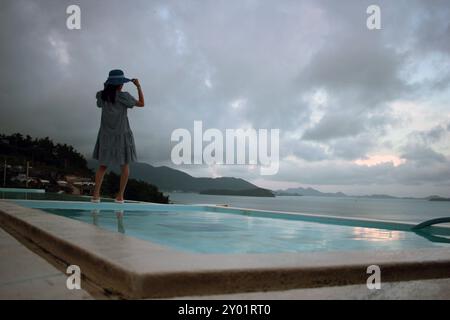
169 179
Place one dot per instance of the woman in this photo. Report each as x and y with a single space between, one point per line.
115 142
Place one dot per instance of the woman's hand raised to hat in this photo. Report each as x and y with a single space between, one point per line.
140 102
136 82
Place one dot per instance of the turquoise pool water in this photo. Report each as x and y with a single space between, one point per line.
211 232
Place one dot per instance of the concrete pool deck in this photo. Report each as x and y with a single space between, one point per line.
25 275
132 268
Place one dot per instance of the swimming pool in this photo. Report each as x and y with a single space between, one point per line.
218 229
220 232
156 251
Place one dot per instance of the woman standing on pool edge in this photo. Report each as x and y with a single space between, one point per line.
115 142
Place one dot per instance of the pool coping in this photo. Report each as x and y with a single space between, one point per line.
21 190
135 268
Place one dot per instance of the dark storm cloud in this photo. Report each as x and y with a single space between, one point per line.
423 154
433 135
433 33
304 150
352 148
327 128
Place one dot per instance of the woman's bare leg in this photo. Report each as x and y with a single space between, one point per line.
123 181
98 181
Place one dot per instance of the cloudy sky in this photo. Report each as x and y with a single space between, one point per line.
359 111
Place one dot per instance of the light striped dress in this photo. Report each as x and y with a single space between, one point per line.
115 141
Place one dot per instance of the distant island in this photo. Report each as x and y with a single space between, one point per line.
316 193
307 192
438 198
287 194
256 192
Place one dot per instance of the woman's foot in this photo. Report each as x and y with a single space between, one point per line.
119 199
95 199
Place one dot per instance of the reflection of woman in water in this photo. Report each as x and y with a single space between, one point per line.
95 214
115 142
119 215
120 226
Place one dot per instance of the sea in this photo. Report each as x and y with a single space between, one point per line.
407 210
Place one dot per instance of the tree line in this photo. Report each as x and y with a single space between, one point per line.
54 160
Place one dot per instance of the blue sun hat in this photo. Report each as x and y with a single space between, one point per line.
116 77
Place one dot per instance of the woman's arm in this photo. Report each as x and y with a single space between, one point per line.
141 102
98 96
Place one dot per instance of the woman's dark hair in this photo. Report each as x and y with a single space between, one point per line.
109 92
